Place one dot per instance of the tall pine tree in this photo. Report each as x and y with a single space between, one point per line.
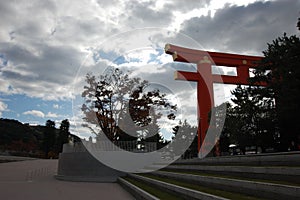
280 68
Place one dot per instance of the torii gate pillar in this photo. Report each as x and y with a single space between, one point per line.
205 78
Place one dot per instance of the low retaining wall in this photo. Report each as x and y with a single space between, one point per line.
270 159
82 166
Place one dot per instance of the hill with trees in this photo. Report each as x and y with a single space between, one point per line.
21 139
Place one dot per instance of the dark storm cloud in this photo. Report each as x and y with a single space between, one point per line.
143 14
48 68
146 14
57 64
26 19
244 29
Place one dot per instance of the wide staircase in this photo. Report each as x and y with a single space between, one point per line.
261 176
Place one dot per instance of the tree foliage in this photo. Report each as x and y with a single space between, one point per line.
49 137
280 70
185 134
121 104
252 119
63 135
268 116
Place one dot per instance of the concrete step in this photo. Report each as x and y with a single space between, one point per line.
185 193
288 174
137 192
268 159
258 189
268 176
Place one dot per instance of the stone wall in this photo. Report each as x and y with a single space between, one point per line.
77 164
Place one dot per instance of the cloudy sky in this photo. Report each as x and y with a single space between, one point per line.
45 44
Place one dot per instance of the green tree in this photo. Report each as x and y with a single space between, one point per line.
185 134
280 70
63 135
252 121
123 104
153 132
49 137
221 112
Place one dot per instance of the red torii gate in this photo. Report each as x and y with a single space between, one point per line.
205 78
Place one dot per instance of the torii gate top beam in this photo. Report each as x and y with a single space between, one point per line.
242 62
182 54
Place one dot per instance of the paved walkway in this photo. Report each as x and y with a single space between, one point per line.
33 179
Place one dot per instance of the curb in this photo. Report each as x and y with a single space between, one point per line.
290 174
183 192
137 192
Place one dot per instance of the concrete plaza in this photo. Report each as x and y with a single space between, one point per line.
34 180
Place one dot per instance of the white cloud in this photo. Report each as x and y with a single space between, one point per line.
3 107
35 113
56 106
51 115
